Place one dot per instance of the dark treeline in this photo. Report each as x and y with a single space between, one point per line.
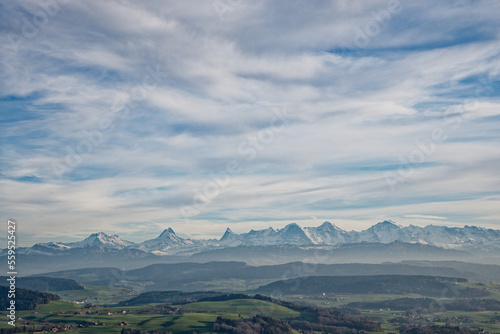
224 297
231 296
474 305
308 327
431 305
397 304
138 331
324 319
431 286
168 297
259 324
20 329
438 330
45 284
25 299
348 310
179 297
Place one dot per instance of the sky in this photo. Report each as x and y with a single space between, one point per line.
129 117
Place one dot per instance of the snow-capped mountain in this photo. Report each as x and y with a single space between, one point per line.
101 239
96 240
384 232
325 235
259 238
468 237
230 238
167 243
293 234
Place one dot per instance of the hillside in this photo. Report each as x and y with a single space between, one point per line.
238 276
25 299
45 284
383 284
266 310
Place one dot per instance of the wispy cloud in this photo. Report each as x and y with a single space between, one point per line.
152 100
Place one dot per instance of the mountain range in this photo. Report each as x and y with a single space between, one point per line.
327 235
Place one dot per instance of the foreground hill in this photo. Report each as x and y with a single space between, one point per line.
45 284
270 313
25 299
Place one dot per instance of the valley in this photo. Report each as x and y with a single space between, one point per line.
107 300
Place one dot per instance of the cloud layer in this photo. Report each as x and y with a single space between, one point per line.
129 117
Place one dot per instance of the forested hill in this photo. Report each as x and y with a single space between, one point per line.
306 317
45 284
431 286
25 299
168 297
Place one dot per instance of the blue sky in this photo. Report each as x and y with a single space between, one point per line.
129 117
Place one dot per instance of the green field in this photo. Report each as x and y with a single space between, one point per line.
200 316
488 320
101 295
247 307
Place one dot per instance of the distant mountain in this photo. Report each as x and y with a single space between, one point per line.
230 238
327 233
292 239
386 232
343 253
166 243
293 234
268 236
101 239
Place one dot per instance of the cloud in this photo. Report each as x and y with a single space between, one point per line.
116 115
425 217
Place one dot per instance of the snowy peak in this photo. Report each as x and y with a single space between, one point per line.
328 226
101 239
167 233
168 236
230 239
291 229
325 235
227 235
383 232
166 242
259 237
386 225
293 234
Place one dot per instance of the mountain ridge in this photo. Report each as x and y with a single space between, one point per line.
324 235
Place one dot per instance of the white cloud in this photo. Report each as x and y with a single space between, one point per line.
354 112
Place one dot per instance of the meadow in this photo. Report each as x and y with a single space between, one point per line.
94 310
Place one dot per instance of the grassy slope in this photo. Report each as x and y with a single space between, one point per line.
177 323
98 294
202 322
245 307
